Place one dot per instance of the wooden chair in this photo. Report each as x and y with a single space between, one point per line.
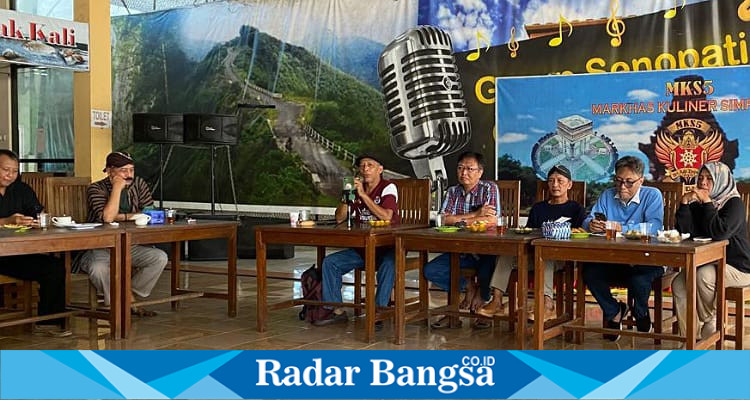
672 193
18 298
67 196
740 296
36 181
510 200
413 208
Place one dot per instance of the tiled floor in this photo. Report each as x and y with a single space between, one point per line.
203 324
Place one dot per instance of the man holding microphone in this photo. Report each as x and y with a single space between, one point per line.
375 199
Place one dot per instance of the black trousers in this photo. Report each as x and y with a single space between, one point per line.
48 271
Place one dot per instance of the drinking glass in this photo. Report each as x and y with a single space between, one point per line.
170 215
502 225
611 229
645 231
43 219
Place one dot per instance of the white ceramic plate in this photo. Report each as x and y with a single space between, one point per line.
90 225
702 239
61 225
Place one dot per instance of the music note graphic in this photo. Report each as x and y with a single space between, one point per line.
554 42
475 55
615 26
743 11
513 43
672 12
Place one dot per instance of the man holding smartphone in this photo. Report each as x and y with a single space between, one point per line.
627 203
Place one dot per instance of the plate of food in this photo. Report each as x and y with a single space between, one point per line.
672 236
447 229
375 222
477 227
579 233
523 230
632 235
14 226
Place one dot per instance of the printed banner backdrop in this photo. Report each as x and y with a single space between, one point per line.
317 63
540 37
375 374
41 41
673 120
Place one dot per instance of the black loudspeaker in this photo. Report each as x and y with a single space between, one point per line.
211 128
157 128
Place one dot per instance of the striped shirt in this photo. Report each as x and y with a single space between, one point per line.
459 202
98 193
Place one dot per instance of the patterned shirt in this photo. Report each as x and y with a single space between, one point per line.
458 201
98 193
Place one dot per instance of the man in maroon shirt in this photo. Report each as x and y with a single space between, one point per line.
375 199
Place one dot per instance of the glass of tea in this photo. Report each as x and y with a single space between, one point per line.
611 228
644 229
502 225
170 215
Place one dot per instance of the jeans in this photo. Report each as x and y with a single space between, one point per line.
438 271
637 278
337 264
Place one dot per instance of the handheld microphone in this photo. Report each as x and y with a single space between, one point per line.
425 108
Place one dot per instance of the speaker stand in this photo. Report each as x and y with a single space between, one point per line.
161 176
213 180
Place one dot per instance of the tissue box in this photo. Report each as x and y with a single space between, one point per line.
157 216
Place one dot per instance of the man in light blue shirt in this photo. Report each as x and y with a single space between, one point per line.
630 204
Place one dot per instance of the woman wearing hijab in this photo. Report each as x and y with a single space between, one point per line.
713 210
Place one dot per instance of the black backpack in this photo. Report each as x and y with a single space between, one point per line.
312 289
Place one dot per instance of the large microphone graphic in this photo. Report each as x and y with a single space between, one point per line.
424 102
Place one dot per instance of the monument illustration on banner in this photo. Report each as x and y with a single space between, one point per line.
575 145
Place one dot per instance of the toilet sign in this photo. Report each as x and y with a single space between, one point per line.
101 119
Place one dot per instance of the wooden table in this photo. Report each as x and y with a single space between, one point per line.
687 254
175 234
360 236
63 240
510 244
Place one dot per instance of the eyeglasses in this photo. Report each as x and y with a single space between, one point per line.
125 169
364 166
628 184
462 168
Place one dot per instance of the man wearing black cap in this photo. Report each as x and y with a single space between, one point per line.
375 199
115 199
557 205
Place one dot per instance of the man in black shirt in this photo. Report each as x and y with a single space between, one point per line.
558 205
18 206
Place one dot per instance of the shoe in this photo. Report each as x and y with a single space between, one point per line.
51 331
492 309
481 324
378 326
443 322
708 329
643 324
612 324
332 319
142 312
549 310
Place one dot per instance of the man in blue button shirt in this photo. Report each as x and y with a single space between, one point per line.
628 203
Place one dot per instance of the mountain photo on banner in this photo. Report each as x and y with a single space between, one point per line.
316 62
